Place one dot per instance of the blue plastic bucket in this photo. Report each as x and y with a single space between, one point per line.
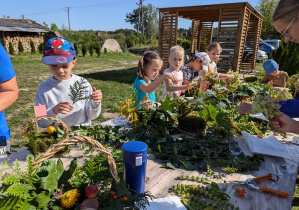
135 158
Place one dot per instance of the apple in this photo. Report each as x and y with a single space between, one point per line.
91 191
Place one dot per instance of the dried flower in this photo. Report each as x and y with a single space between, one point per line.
69 198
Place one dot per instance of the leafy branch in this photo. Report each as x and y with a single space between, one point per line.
78 90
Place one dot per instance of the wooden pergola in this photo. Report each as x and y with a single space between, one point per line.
239 29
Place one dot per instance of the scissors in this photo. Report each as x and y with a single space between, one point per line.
252 181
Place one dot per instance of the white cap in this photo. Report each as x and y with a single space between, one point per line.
205 59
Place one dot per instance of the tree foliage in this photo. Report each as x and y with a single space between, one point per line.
150 20
54 27
266 8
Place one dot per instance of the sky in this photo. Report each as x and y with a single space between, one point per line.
103 15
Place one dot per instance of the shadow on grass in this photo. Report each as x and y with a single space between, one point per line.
122 76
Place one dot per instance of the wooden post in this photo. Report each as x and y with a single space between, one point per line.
176 28
192 36
258 28
219 24
160 37
237 51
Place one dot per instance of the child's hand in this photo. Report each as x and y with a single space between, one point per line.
231 76
63 108
96 95
172 77
245 108
270 82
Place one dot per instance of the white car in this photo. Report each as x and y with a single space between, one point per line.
261 55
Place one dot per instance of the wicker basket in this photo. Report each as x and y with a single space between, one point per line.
51 151
279 90
251 71
191 133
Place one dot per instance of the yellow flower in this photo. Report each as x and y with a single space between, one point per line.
69 198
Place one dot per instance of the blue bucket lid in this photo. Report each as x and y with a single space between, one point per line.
134 146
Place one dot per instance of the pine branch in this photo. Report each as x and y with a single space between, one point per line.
78 90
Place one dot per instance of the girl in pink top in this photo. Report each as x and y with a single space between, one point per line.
176 61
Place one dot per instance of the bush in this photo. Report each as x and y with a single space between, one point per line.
98 50
41 48
20 46
105 50
91 50
185 43
84 50
33 50
76 47
287 57
11 49
124 47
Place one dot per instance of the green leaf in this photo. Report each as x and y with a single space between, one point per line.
159 147
68 174
43 199
50 182
170 166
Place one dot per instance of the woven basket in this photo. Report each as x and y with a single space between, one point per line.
280 91
250 71
208 116
51 151
61 124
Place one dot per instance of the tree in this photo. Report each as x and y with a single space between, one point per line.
20 46
266 8
46 25
84 50
91 50
33 50
150 20
54 27
11 49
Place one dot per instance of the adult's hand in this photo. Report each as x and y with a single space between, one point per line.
284 123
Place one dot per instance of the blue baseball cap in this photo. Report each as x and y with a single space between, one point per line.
270 66
58 50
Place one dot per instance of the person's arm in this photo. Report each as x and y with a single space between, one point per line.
153 86
265 80
9 92
174 87
93 110
245 108
225 76
284 123
290 107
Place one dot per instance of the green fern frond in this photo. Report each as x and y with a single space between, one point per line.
11 179
78 90
20 190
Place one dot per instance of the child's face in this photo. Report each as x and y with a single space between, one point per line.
176 61
274 72
197 66
62 71
214 54
152 70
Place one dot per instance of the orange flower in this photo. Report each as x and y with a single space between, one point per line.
191 87
115 197
125 198
112 193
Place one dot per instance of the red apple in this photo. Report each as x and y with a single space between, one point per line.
91 191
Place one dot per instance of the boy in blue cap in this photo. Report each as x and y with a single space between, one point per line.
274 76
60 56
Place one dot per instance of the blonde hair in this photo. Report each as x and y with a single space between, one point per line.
177 49
145 60
214 45
286 10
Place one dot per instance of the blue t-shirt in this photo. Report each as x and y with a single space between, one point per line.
6 73
290 107
139 94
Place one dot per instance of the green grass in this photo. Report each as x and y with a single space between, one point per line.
112 73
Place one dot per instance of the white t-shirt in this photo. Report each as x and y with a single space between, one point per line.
213 66
179 74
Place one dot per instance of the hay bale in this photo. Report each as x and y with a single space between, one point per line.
111 45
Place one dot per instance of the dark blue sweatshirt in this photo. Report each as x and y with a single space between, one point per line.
290 107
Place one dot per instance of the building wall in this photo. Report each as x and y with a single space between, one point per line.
25 38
